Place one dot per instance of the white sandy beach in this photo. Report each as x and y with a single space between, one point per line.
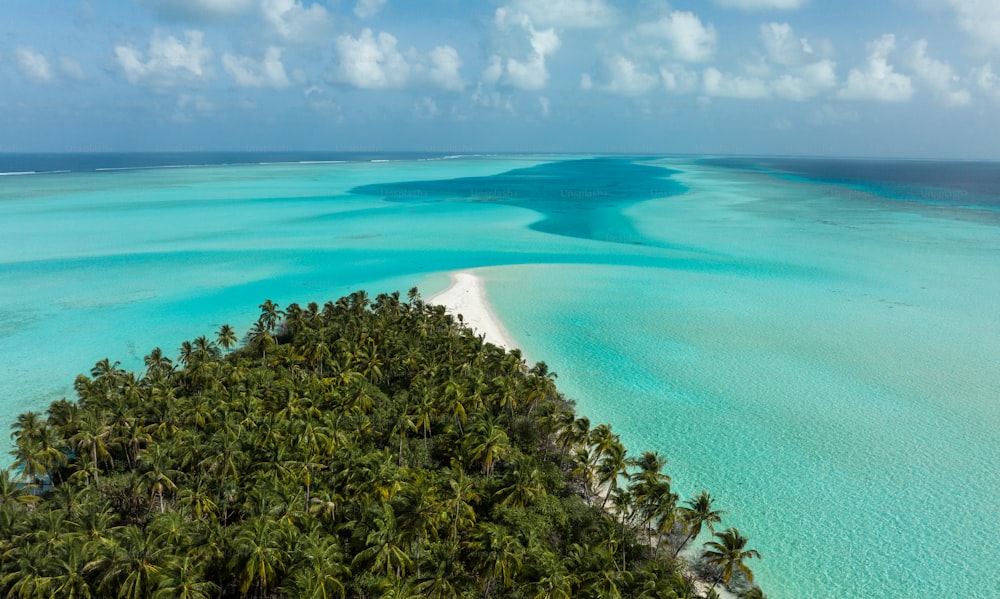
467 296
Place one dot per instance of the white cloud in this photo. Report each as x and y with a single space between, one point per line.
493 71
626 79
981 19
688 39
987 80
527 74
71 68
371 62
782 46
249 72
34 65
492 99
295 22
170 61
368 8
763 4
375 62
878 80
199 10
444 68
567 13
719 85
805 82
530 73
586 81
937 75
678 80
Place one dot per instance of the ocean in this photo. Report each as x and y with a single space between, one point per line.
815 341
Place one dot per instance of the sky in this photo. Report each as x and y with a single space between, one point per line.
895 78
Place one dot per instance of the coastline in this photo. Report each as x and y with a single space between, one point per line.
466 296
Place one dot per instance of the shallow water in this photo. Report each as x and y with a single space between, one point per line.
817 347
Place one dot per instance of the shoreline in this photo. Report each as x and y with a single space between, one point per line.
466 296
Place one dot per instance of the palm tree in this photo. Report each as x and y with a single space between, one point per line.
90 440
498 556
14 493
132 567
729 553
613 466
463 492
260 558
183 579
489 443
698 513
270 314
525 488
319 572
69 566
159 477
383 554
157 364
226 337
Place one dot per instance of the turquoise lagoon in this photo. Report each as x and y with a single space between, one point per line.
815 342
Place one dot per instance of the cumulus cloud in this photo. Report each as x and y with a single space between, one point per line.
34 65
586 81
980 19
494 70
293 21
199 10
763 4
987 80
806 82
782 45
545 106
678 80
371 62
628 80
937 75
247 71
445 65
877 80
368 8
567 13
493 99
168 61
530 73
375 62
719 85
688 40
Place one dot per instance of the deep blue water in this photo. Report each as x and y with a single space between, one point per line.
967 184
578 198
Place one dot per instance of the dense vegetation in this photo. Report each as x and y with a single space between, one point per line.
361 449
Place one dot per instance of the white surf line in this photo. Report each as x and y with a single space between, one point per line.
467 296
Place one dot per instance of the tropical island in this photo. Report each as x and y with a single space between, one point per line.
363 448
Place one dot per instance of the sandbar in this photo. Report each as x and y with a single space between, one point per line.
467 296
